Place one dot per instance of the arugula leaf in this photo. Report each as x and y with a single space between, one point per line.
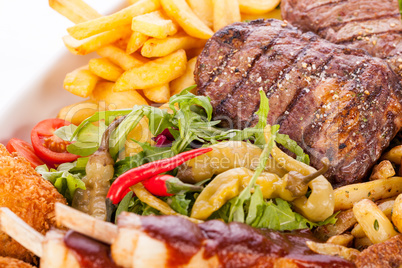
65 182
256 133
237 211
292 146
159 119
256 207
179 203
124 205
262 118
128 163
140 208
153 153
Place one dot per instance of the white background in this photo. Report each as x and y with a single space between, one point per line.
33 63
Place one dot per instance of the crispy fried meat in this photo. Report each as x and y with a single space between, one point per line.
6 262
29 196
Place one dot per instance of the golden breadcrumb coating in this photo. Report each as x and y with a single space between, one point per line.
6 262
29 196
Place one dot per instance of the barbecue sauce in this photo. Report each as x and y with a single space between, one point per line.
235 244
90 253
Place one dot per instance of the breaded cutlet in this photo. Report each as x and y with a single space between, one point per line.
6 262
29 196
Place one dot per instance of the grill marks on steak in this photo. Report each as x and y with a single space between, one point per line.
332 100
367 24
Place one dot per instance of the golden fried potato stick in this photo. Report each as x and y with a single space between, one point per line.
397 213
120 58
78 112
162 47
225 12
75 10
258 7
375 224
154 24
136 41
203 10
105 69
186 80
349 254
154 73
182 13
383 170
93 43
106 23
346 196
158 94
103 92
80 82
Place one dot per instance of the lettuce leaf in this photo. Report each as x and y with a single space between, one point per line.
65 182
276 214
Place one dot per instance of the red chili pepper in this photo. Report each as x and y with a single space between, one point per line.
120 186
157 185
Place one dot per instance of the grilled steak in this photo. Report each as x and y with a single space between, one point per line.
332 100
373 25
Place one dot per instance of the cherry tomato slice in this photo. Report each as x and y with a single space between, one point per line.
48 146
24 149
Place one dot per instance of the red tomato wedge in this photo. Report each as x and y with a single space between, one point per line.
48 146
24 149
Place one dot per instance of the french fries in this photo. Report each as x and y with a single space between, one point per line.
349 254
184 81
159 94
154 73
397 213
375 224
162 47
119 19
154 24
142 38
341 240
346 196
137 40
91 44
116 100
385 207
258 6
225 12
182 13
394 155
120 58
203 10
345 221
78 112
383 170
75 10
105 69
80 82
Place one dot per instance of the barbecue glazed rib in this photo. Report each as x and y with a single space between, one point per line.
372 25
332 100
171 241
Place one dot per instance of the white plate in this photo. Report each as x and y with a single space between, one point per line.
33 63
